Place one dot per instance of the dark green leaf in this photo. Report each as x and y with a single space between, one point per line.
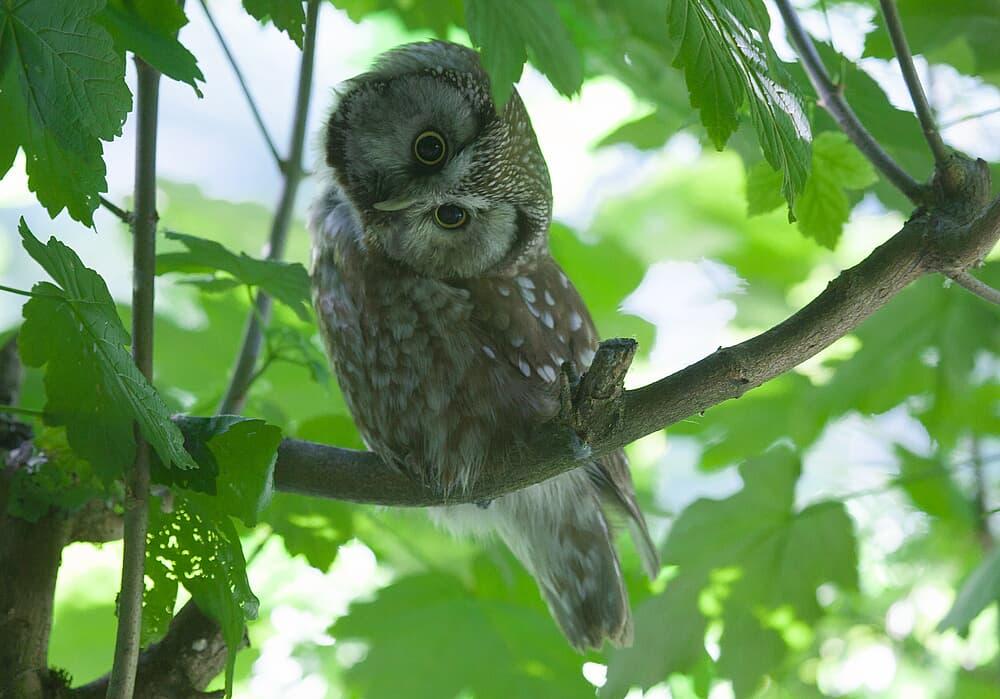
235 458
287 282
507 32
287 15
148 28
62 90
75 331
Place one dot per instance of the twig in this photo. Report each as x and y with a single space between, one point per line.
831 98
977 287
28 412
120 213
970 117
243 86
19 292
358 476
123 671
243 371
916 90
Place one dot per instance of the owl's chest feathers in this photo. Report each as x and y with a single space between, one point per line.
413 368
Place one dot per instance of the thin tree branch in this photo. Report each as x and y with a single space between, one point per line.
977 287
970 117
127 643
831 98
120 213
244 87
926 244
236 393
916 90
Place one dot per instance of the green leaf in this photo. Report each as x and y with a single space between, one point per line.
198 547
74 330
656 653
311 527
933 28
235 458
148 28
63 90
287 15
823 208
287 282
437 15
646 133
59 479
728 62
497 639
506 32
979 590
758 563
763 189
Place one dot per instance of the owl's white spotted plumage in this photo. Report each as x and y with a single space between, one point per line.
447 320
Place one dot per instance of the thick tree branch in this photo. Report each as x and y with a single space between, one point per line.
239 383
190 656
956 238
895 27
136 522
979 288
831 98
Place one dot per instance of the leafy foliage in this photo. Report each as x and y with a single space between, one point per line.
62 91
759 578
74 329
149 30
729 63
285 281
505 33
508 648
287 15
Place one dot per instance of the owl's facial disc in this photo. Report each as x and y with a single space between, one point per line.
434 173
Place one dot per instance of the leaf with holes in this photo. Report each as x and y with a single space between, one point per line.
197 546
74 331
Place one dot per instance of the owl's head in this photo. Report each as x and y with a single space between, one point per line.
439 178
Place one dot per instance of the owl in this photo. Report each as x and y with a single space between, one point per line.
447 320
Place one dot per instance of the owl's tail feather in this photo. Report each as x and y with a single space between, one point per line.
565 543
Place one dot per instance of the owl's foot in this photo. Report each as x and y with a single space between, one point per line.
594 404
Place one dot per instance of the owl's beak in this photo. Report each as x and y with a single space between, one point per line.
397 204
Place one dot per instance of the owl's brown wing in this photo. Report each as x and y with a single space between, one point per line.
534 322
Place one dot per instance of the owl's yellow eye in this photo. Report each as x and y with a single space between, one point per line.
450 216
429 148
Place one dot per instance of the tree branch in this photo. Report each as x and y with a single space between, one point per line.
119 213
246 361
188 657
245 88
929 242
977 287
916 90
127 642
831 98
